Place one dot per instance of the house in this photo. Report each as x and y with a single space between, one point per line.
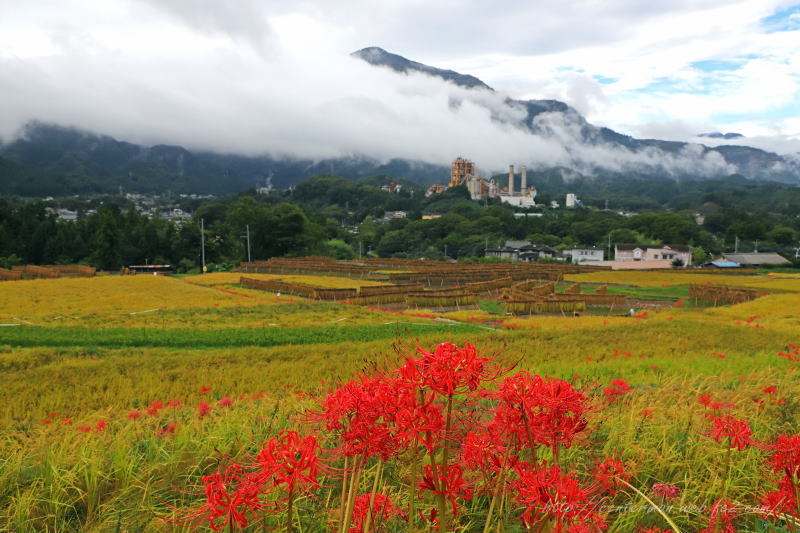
756 259
653 252
583 255
393 215
522 251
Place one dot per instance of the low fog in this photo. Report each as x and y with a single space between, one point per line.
228 85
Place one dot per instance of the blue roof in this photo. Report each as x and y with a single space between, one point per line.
725 264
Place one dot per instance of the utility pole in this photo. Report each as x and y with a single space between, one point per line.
249 260
203 245
736 245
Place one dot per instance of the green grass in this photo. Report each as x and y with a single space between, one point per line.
192 338
652 293
493 307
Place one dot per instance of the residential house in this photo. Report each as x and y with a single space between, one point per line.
522 251
653 252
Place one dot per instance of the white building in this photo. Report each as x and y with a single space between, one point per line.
572 200
585 255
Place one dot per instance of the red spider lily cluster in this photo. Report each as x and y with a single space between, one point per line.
413 447
241 494
792 353
784 460
617 389
449 424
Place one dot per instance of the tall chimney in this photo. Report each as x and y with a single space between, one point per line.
523 176
511 180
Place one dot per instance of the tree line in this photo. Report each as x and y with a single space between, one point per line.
327 215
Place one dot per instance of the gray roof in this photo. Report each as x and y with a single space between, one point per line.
676 247
757 259
517 244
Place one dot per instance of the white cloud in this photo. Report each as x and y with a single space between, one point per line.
274 77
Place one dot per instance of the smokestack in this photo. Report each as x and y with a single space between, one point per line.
523 176
511 180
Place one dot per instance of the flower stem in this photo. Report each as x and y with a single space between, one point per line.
651 502
496 492
289 512
375 481
412 488
343 502
357 462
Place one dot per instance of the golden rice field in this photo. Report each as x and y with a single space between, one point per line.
74 459
766 282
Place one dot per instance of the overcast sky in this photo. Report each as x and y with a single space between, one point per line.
261 76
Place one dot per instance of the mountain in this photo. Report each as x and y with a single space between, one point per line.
49 159
380 57
54 160
750 162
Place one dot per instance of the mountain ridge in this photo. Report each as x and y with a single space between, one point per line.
49 159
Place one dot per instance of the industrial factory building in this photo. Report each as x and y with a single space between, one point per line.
525 197
464 172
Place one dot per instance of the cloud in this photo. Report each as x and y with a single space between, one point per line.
275 78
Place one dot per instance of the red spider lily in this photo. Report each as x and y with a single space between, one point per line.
382 511
156 405
647 413
783 500
290 460
679 303
618 388
100 426
229 499
704 399
66 421
225 402
205 390
769 390
449 369
133 415
534 410
547 492
85 429
785 456
451 483
375 416
721 518
484 450
174 402
47 421
665 490
720 406
203 409
609 473
169 430
792 353
416 420
736 431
